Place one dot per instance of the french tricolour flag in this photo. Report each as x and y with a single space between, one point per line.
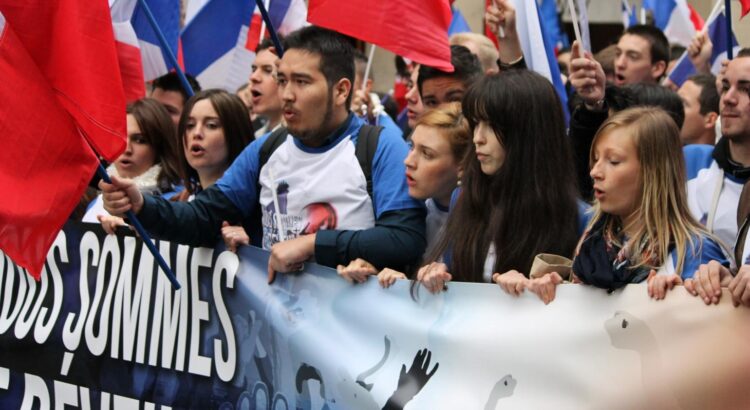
538 52
167 15
128 49
629 17
219 39
673 17
717 29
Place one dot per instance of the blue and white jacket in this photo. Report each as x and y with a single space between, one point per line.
713 189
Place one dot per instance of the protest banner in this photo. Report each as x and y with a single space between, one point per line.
103 330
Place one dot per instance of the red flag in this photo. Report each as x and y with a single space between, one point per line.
129 58
45 164
745 7
128 50
696 19
487 31
72 43
415 29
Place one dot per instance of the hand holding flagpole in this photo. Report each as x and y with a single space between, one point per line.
144 235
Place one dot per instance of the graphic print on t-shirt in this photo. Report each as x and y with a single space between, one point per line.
314 190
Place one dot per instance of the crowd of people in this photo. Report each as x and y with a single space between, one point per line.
484 181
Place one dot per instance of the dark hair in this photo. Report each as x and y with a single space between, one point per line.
655 37
238 130
401 67
158 129
676 51
618 98
465 64
536 179
657 96
335 51
171 82
709 96
267 43
744 52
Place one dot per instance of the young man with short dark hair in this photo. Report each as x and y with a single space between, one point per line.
168 90
437 87
642 55
701 102
307 196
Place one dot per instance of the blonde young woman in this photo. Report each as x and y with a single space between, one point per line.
641 229
439 143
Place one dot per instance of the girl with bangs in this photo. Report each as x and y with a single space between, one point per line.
518 193
641 229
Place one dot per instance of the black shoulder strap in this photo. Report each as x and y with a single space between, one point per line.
269 146
367 144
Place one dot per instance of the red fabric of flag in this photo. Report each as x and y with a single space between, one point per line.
487 32
72 44
131 69
415 29
696 19
45 163
745 7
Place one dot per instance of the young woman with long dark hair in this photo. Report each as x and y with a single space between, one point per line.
518 195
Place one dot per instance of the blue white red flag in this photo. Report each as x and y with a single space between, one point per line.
629 17
219 41
167 15
128 49
551 21
538 52
673 17
717 29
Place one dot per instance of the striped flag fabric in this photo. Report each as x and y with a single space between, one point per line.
629 17
538 52
128 49
219 40
154 58
717 29
673 17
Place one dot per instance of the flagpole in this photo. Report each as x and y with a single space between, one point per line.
165 48
728 15
144 235
574 18
269 26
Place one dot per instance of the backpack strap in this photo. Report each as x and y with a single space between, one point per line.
273 142
367 144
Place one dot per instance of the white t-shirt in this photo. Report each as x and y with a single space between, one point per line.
315 190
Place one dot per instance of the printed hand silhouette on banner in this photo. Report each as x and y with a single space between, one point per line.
503 388
410 383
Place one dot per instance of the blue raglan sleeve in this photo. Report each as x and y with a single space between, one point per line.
697 157
398 238
389 189
708 250
240 181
